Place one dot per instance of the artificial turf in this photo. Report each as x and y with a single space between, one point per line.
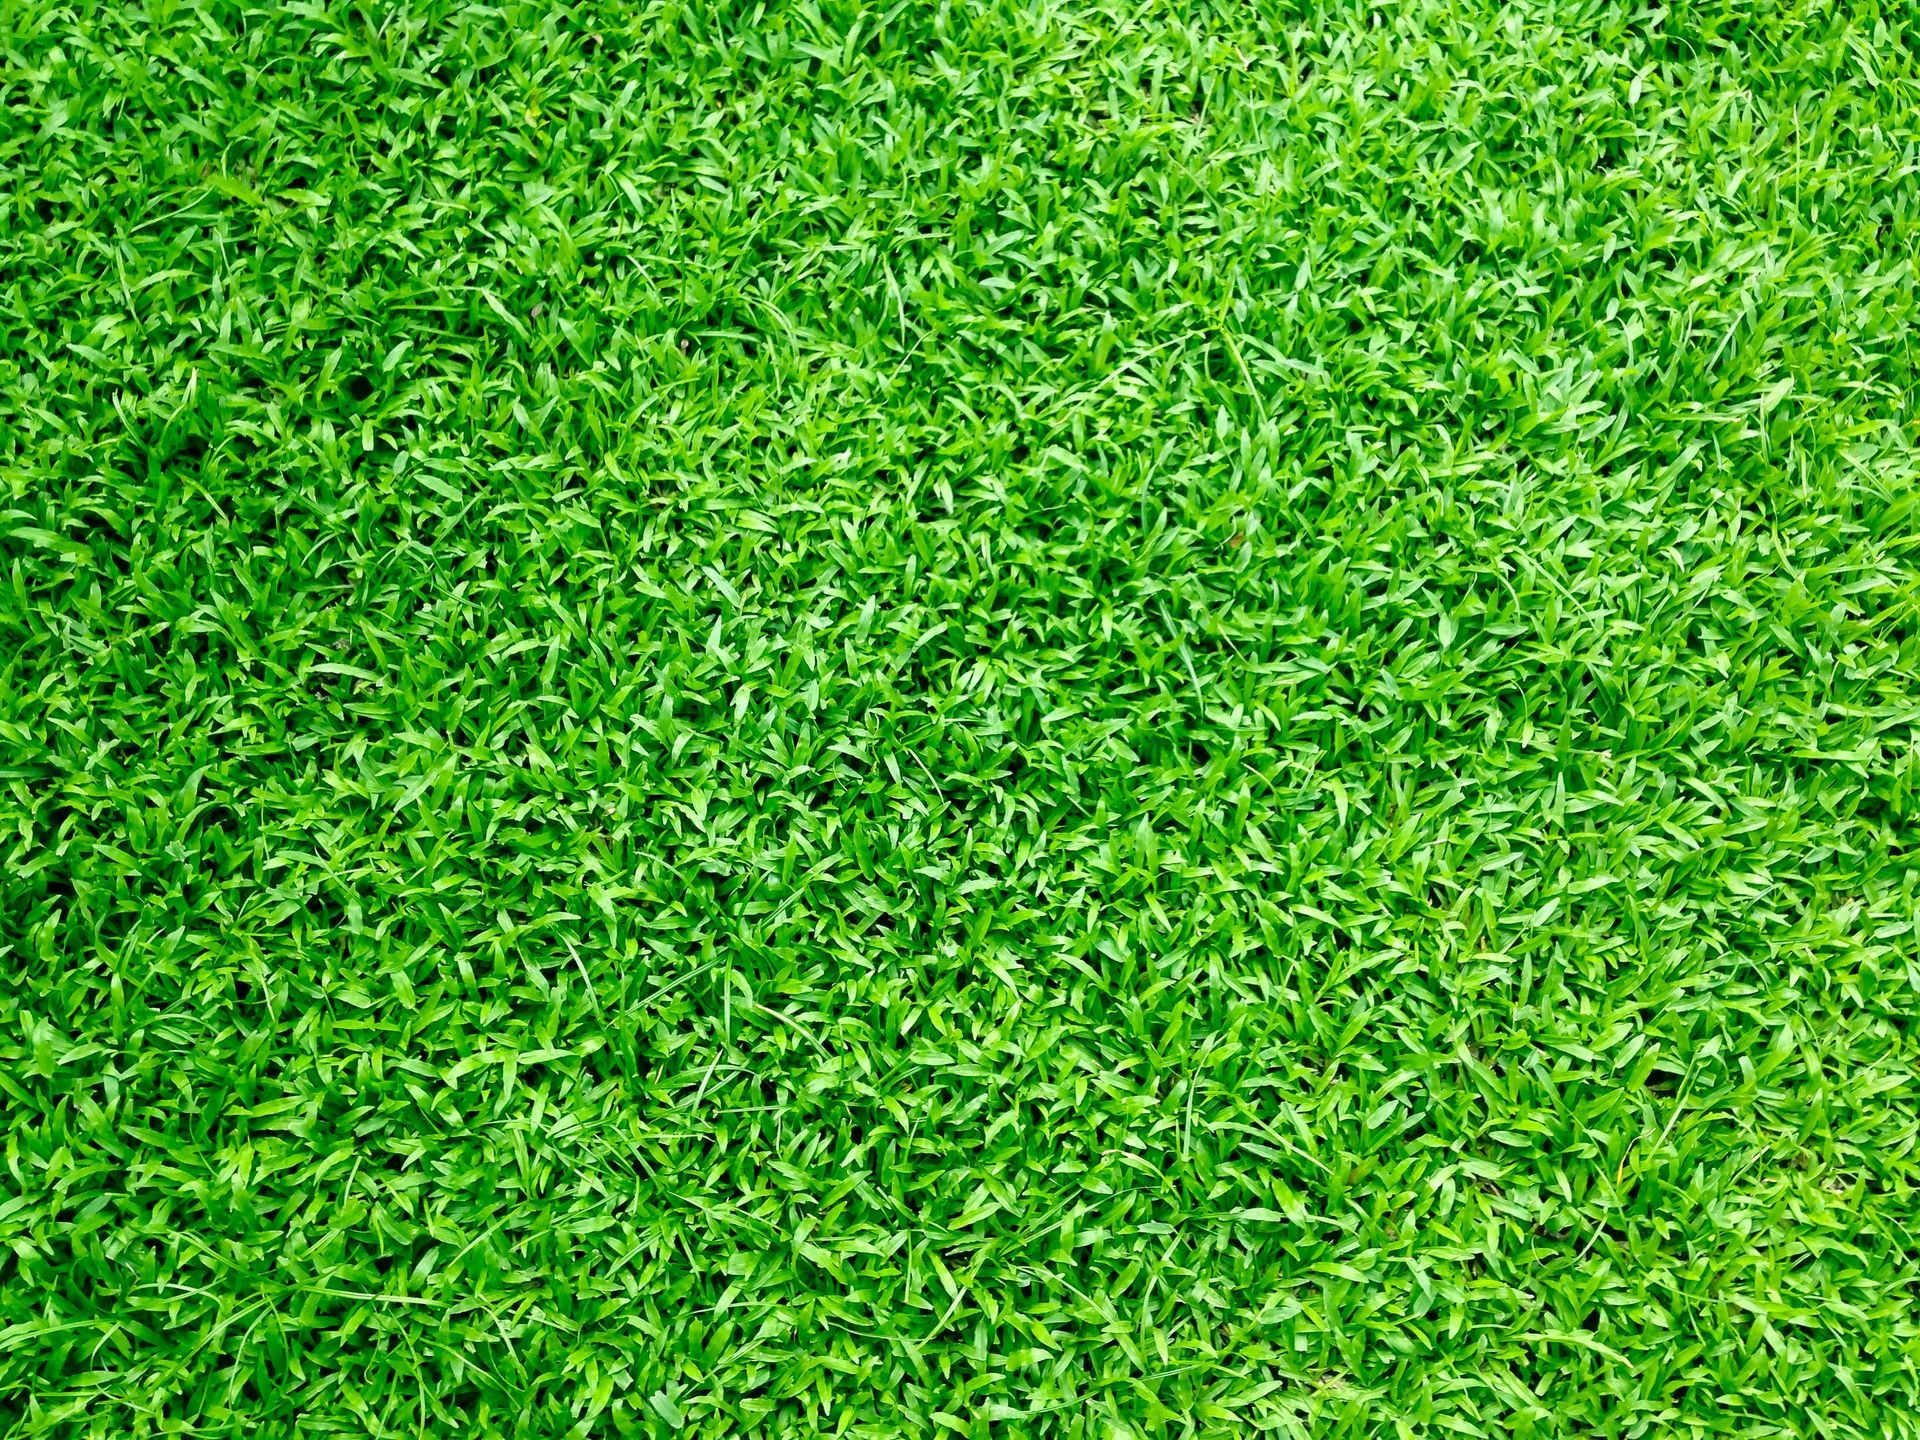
988 718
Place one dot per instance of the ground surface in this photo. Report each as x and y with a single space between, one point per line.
985 719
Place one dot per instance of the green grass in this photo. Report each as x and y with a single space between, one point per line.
1134 719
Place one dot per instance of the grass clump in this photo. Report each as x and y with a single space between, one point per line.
981 718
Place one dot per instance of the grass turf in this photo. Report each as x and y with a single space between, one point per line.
1119 719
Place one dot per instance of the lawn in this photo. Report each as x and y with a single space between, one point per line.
1107 719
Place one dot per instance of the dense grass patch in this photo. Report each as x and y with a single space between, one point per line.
1122 719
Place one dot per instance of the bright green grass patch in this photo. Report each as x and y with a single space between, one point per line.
983 718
